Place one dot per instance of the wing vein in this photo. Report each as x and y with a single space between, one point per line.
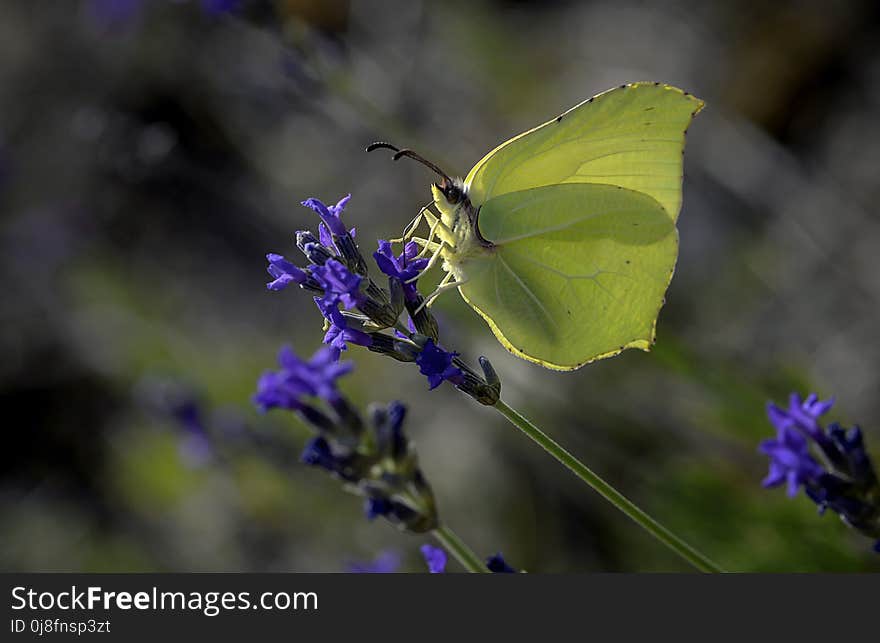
557 228
529 292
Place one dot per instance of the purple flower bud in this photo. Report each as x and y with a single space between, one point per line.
435 558
298 379
284 273
387 562
790 460
403 267
436 364
339 284
497 565
330 216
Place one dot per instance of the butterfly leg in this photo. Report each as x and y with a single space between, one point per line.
444 286
432 232
438 252
413 225
438 229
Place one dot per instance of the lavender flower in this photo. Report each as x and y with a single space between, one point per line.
338 272
330 216
195 447
297 379
436 364
116 14
339 335
803 415
841 479
378 462
339 284
790 461
333 233
284 272
387 562
435 558
497 565
319 453
218 7
403 268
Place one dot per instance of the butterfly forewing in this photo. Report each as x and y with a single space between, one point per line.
631 136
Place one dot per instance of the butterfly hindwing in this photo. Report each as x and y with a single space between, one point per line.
579 271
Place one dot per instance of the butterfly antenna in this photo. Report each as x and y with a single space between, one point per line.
400 153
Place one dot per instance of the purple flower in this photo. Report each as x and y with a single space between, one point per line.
377 506
298 379
313 249
330 216
497 565
339 284
319 453
195 446
436 364
339 335
326 238
403 267
790 460
802 414
846 482
410 325
435 558
284 273
387 562
217 7
390 439
395 511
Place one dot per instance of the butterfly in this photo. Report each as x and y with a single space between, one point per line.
563 238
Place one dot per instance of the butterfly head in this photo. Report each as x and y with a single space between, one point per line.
453 190
457 213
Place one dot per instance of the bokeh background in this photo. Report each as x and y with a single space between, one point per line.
152 152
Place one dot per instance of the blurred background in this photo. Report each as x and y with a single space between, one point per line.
152 152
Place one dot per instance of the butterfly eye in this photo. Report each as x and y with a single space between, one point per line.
452 193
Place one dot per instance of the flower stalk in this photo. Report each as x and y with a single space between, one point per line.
607 491
459 550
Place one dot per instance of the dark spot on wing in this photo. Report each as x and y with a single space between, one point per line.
559 118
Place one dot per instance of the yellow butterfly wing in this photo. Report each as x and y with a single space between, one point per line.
631 136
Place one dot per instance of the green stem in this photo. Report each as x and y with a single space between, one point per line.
462 553
607 491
